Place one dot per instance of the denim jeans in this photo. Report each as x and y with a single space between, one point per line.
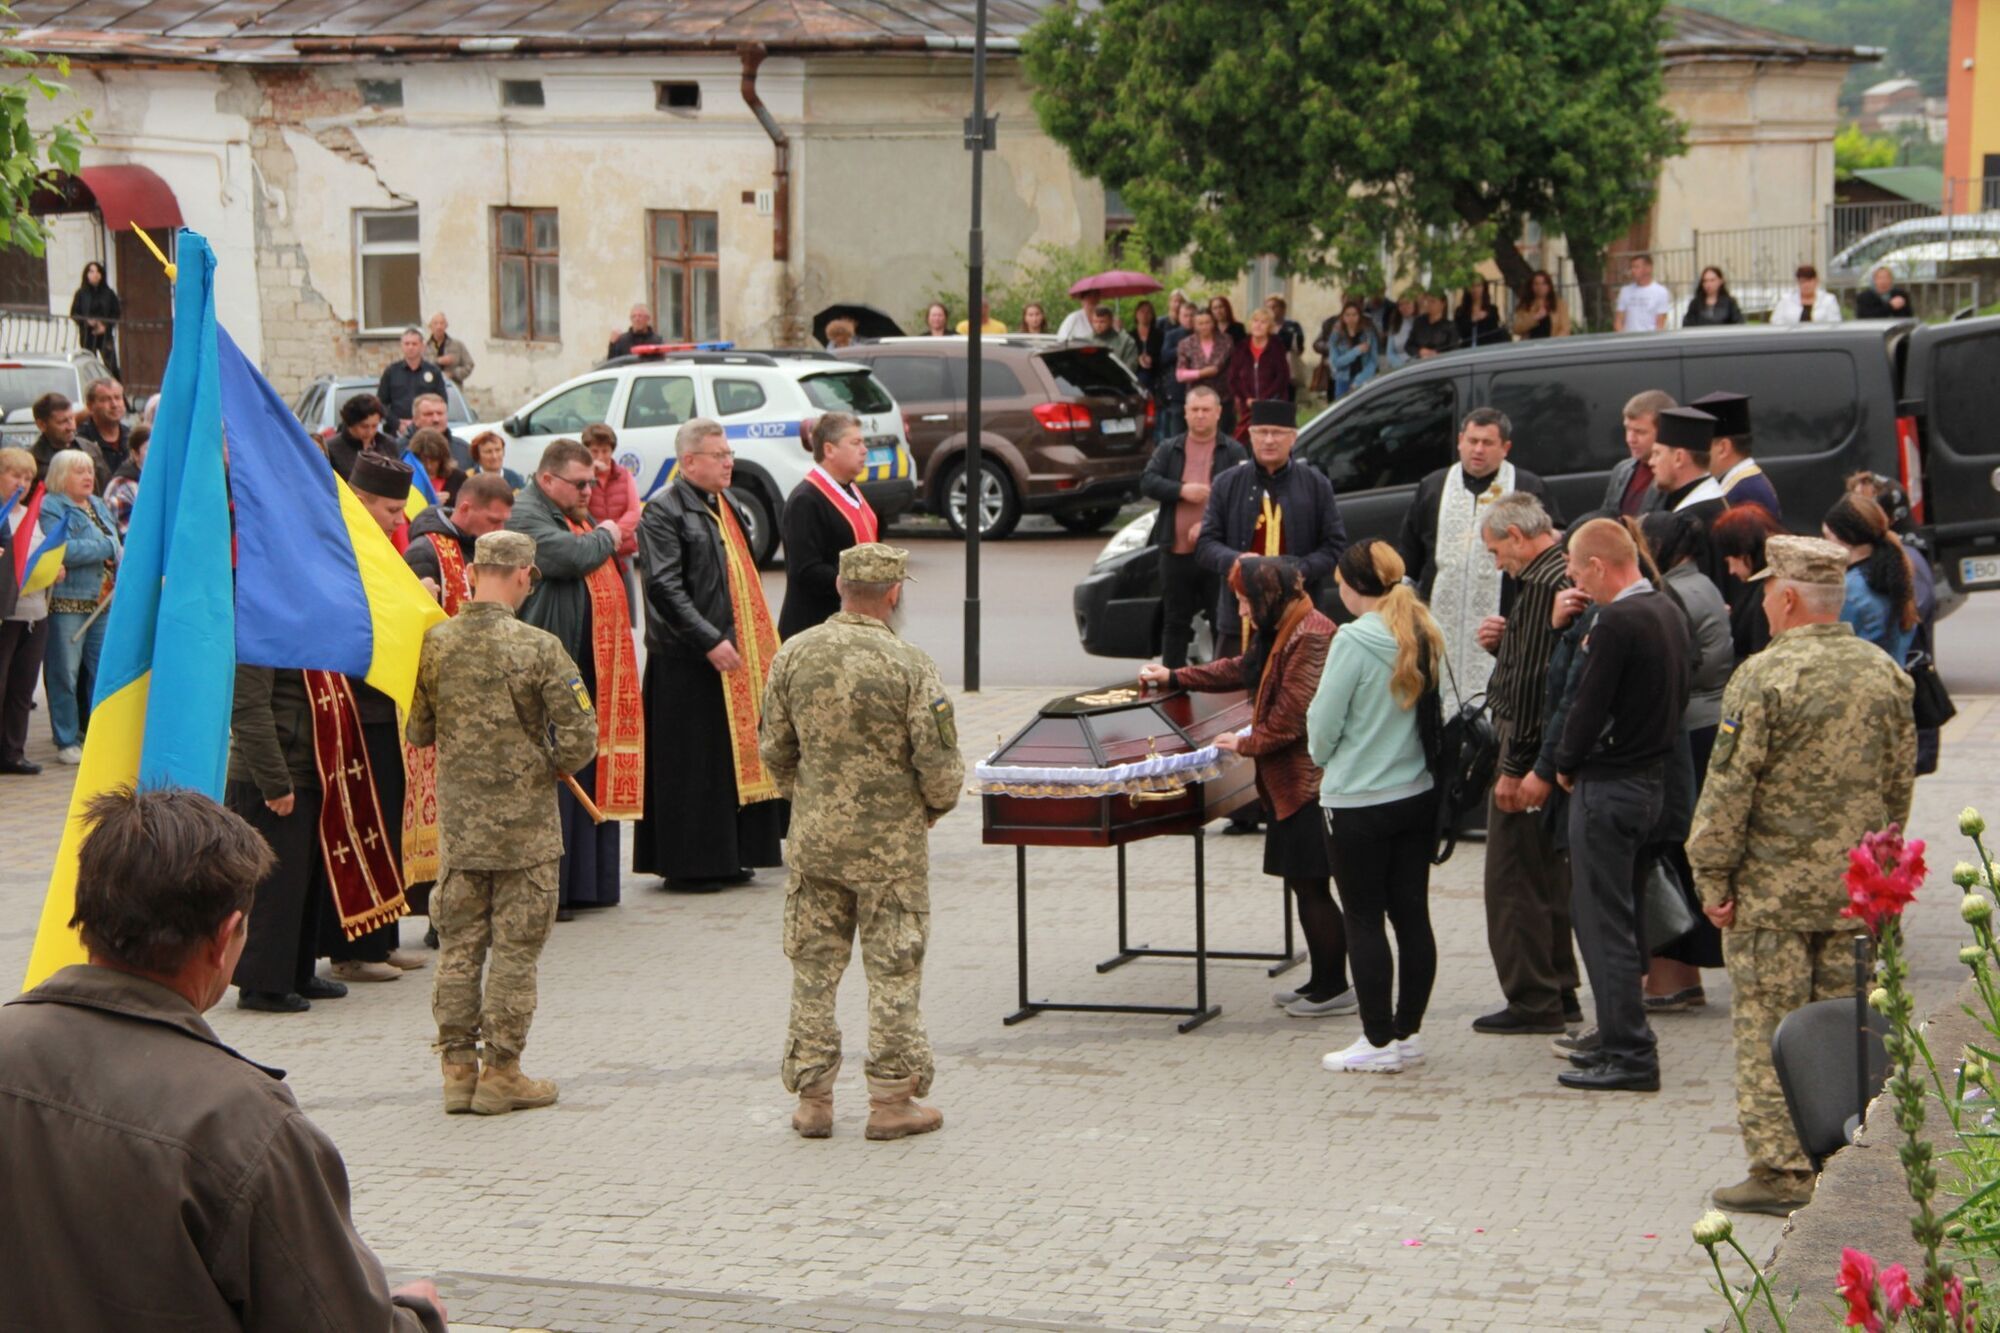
69 674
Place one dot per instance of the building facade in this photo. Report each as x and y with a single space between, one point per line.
1972 90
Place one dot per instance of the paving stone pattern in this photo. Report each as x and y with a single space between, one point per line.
1093 1172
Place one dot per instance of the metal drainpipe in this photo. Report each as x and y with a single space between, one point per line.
753 54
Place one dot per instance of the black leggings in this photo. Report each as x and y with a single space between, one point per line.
1326 938
1382 867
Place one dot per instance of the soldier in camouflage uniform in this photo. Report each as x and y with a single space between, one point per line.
858 732
1817 747
507 711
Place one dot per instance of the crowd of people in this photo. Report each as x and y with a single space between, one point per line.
1693 710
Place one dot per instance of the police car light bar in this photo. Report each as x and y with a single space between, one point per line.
661 349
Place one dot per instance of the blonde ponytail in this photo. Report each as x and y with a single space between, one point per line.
1410 621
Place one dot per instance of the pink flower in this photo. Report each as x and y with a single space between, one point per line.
1883 875
1955 1304
1857 1284
1896 1294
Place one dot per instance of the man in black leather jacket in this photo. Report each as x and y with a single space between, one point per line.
712 815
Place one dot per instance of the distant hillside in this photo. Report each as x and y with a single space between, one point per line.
1916 34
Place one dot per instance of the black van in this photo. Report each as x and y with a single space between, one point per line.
1913 401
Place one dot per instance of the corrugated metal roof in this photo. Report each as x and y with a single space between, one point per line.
1921 185
261 31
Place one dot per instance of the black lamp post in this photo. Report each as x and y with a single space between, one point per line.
979 138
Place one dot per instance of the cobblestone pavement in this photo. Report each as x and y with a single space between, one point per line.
1094 1171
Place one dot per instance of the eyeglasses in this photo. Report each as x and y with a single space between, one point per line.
710 453
582 485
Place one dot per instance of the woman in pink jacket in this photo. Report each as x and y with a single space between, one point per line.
616 497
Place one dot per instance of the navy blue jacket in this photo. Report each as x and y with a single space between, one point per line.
1314 534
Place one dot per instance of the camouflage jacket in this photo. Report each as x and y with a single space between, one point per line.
492 694
859 734
1818 746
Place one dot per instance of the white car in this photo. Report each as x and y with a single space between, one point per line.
762 400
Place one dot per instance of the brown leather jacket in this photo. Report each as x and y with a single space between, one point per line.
156 1179
1287 778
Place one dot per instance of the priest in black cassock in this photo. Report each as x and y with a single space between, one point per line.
713 813
825 515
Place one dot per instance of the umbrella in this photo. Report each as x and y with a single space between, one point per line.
868 322
1116 283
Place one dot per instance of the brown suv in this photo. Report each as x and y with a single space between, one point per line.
1066 428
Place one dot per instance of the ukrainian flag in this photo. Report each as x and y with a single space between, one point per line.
44 564
318 585
422 494
170 626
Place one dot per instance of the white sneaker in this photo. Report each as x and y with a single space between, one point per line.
70 754
1364 1058
1411 1048
1343 1003
1281 998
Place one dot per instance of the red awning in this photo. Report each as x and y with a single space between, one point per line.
131 196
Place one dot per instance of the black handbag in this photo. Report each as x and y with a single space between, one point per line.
1462 751
1932 702
1667 909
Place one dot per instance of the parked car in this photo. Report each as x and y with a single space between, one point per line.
1925 241
1065 429
26 376
318 408
1912 401
762 400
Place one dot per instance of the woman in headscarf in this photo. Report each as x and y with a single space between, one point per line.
1281 670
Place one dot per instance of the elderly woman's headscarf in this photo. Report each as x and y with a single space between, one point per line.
1275 587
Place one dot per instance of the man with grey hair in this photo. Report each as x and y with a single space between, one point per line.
1817 748
713 812
641 333
1527 877
432 411
403 379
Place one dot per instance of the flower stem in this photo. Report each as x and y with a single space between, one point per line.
1728 1292
1760 1285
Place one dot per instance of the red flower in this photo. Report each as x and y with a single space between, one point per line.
1896 1293
1955 1304
1883 875
1857 1284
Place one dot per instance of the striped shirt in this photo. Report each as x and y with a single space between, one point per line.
1520 674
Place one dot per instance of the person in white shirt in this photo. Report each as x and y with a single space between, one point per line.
1076 324
1809 304
1643 305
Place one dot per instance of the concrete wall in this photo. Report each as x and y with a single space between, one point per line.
1760 148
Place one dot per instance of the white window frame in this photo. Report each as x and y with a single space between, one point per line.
363 248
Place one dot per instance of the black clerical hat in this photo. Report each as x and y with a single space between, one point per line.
1730 410
1686 428
1274 412
379 474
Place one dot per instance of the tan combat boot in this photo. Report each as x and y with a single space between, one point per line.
814 1118
503 1088
461 1077
893 1112
1770 1193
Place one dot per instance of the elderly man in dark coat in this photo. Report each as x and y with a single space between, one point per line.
154 1174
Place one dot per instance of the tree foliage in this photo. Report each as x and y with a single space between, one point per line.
1915 35
29 156
1335 135
1854 149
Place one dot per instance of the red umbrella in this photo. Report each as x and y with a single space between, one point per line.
1118 282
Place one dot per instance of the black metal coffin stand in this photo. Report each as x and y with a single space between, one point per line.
1070 733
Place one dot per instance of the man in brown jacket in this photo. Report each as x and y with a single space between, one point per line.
155 1177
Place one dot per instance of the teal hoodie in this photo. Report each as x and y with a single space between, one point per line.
1365 740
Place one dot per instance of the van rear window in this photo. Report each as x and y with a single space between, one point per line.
1089 372
847 391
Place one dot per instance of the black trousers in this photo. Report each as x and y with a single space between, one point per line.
22 644
1611 819
285 914
1185 589
1381 857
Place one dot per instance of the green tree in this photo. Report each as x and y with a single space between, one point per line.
1327 134
1856 150
28 157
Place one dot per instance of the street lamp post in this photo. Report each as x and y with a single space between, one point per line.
979 137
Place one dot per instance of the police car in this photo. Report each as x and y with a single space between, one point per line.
763 400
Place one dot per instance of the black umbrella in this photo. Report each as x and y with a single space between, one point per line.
868 322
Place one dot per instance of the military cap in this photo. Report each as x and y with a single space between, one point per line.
1686 428
872 562
1730 410
379 474
1803 560
505 550
1274 412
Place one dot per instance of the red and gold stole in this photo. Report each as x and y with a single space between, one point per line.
420 811
860 517
621 719
353 839
756 644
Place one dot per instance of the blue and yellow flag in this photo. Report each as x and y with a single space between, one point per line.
318 585
44 563
170 630
422 494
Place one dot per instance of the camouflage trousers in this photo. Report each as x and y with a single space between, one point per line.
1773 972
822 917
495 920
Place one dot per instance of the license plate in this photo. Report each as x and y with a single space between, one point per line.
1979 569
1118 426
884 457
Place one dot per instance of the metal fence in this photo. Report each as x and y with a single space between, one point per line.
141 345
37 333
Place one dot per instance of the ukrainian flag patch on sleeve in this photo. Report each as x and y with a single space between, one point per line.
575 684
947 724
